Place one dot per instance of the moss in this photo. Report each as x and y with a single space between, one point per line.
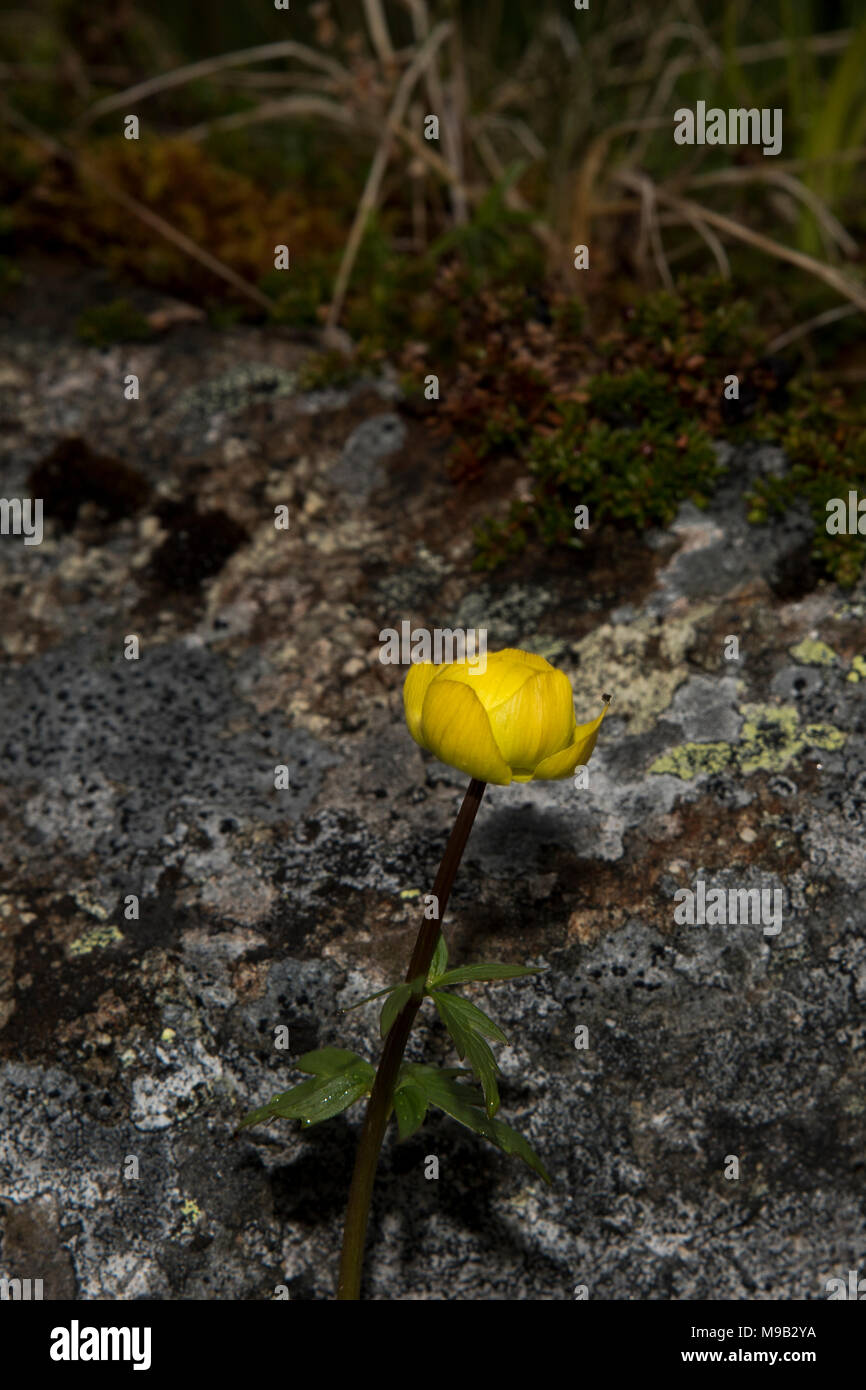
117 322
10 274
228 213
331 368
633 440
824 438
627 455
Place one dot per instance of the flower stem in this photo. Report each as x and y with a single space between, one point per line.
382 1095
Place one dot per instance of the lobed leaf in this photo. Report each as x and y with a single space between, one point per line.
486 1068
486 970
331 1061
393 1005
327 1092
439 961
463 1103
459 1015
410 1107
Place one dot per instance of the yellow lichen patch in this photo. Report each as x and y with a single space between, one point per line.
87 903
858 669
689 760
94 940
192 1214
812 653
771 737
616 657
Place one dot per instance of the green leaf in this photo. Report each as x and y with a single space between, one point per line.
466 1024
439 961
377 995
436 1082
333 1095
331 1061
315 1100
339 1079
392 1006
460 1017
486 1068
486 970
462 1103
410 1106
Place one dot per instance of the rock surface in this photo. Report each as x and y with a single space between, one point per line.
148 1039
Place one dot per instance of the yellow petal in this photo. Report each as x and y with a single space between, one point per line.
418 678
532 659
562 764
501 678
455 727
537 721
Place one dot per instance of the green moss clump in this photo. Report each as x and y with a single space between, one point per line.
627 454
116 322
825 440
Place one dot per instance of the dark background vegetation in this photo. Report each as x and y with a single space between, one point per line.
605 384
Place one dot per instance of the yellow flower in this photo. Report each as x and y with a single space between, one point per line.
513 721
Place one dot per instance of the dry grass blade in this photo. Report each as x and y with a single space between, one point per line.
712 241
829 316
271 111
433 83
434 162
828 223
377 169
783 178
818 44
588 174
378 26
453 122
286 48
649 229
513 199
528 139
781 175
787 166
848 289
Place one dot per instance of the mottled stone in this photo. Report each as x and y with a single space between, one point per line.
146 1035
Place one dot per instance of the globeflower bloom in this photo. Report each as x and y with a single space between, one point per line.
512 721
